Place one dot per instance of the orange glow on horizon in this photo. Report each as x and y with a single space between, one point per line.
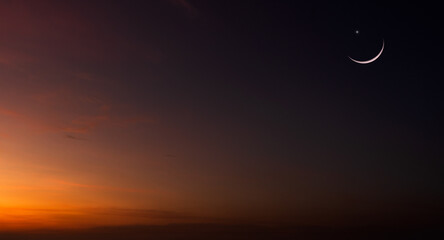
19 218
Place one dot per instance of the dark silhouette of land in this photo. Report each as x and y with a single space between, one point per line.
218 231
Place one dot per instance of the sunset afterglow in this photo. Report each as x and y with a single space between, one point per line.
171 113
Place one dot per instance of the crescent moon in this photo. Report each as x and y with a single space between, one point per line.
371 60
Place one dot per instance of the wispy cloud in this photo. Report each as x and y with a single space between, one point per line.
26 120
118 212
72 137
98 187
72 114
141 213
132 120
27 217
186 5
86 124
14 59
9 113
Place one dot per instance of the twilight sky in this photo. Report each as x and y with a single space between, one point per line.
179 111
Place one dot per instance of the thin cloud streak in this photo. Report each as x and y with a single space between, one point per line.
9 113
186 5
71 123
37 218
100 187
72 137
